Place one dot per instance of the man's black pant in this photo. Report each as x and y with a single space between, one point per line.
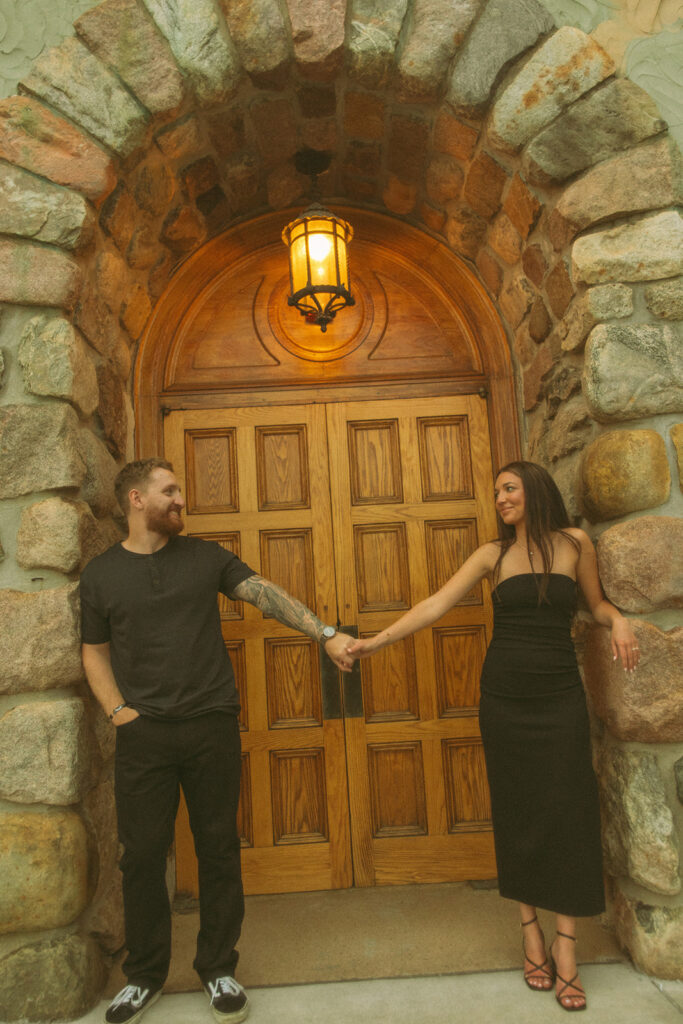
154 757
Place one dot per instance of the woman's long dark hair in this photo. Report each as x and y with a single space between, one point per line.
545 514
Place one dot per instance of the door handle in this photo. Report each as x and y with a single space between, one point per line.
352 684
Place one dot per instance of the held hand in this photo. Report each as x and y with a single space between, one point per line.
337 648
125 715
624 644
360 648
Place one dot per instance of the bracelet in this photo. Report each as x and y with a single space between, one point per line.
117 709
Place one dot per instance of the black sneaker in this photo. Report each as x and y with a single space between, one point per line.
228 999
130 1004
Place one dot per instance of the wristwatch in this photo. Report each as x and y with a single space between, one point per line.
327 633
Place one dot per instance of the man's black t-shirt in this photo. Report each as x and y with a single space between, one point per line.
160 615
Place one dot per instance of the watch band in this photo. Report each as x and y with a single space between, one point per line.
118 708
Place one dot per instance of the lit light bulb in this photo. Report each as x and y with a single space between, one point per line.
319 247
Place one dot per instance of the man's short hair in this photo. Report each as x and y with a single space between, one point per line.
136 474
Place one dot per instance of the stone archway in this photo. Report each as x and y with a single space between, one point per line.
159 124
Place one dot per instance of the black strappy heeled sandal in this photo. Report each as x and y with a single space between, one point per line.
578 989
545 968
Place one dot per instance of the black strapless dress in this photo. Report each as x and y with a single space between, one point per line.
534 725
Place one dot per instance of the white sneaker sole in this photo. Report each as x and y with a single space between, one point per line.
143 1009
231 1018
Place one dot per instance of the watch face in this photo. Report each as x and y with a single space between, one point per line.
328 632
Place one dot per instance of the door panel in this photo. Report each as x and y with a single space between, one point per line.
360 510
412 493
256 481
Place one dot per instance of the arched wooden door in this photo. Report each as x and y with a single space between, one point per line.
355 469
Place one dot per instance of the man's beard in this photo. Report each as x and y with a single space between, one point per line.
164 523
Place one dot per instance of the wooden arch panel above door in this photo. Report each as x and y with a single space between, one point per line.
223 327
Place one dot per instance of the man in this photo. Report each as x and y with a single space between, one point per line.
155 659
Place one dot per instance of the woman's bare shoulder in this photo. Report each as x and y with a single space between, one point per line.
489 553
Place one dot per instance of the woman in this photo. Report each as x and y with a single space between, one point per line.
533 716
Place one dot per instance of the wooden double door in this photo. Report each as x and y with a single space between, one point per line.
359 509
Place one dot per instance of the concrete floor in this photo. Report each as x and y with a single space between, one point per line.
616 993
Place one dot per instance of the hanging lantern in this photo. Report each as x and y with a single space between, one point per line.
318 259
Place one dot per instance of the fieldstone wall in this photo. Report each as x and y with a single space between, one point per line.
162 122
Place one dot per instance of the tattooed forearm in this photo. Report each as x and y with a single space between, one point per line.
273 600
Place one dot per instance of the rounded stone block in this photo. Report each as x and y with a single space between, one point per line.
641 563
566 66
39 639
62 535
665 299
44 756
43 869
639 834
35 138
56 363
34 275
632 371
624 471
642 706
652 935
98 485
39 449
677 438
642 251
57 979
31 207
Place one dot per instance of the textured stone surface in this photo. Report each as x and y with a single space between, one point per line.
567 65
484 185
665 299
407 150
77 84
38 449
534 374
505 29
318 36
604 302
678 775
123 36
112 411
62 535
505 240
39 639
43 867
56 362
35 138
521 206
641 563
104 917
98 311
632 371
539 320
135 310
198 38
44 756
444 179
643 251
364 115
559 289
465 229
34 208
516 299
454 137
100 471
373 38
399 196
677 438
639 835
610 119
435 30
181 139
652 935
152 185
645 178
37 276
57 978
183 230
119 216
490 270
535 264
262 39
625 471
569 431
642 706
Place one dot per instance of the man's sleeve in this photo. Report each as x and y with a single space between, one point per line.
94 621
233 572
